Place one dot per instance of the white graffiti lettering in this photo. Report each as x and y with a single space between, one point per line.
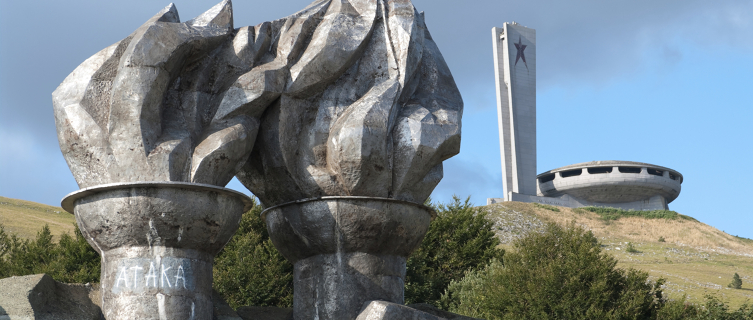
122 276
180 275
136 275
172 273
164 277
151 275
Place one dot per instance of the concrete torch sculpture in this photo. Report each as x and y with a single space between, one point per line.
136 128
354 108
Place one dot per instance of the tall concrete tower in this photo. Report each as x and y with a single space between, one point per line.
515 70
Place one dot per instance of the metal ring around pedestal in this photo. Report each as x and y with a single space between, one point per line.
69 201
431 211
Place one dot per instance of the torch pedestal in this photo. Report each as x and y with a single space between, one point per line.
157 241
346 251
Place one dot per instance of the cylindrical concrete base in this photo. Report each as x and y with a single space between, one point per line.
335 286
156 283
157 241
346 251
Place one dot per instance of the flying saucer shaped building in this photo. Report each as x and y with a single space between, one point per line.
619 184
624 184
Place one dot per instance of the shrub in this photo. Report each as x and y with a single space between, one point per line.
546 207
713 309
631 249
716 309
250 271
559 274
678 310
70 260
458 240
614 213
736 283
661 239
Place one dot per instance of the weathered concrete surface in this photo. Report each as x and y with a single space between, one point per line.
515 71
42 298
157 250
222 311
370 107
611 182
383 310
265 313
626 185
144 108
353 98
39 297
362 103
346 251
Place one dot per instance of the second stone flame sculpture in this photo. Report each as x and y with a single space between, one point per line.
366 106
347 101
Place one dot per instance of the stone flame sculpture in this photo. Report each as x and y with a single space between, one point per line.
337 118
353 141
136 124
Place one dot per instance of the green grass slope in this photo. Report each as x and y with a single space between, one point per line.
26 218
695 259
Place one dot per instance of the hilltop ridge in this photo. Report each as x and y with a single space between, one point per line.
25 218
696 259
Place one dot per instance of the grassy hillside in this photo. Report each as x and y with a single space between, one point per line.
25 218
695 258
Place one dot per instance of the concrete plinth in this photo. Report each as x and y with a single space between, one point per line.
157 242
346 251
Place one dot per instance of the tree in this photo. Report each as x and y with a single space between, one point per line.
736 283
70 260
558 274
459 239
250 271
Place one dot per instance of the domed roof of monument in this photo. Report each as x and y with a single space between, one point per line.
609 163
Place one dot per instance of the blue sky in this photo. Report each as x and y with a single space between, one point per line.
664 82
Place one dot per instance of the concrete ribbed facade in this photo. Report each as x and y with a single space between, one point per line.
515 71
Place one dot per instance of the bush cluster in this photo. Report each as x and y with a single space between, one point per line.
558 274
563 274
459 239
713 309
70 260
